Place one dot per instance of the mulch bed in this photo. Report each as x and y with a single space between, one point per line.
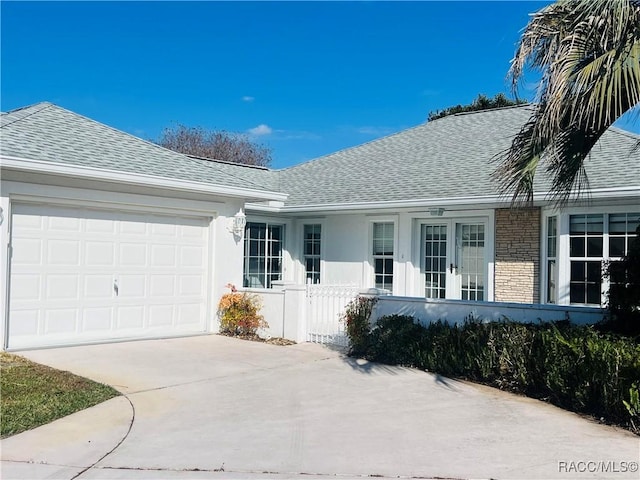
255 338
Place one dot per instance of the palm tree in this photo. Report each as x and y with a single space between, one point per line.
588 54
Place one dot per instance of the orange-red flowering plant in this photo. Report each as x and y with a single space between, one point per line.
239 313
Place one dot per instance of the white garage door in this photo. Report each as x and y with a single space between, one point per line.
81 275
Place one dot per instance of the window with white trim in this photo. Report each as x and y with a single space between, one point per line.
622 230
263 247
595 239
552 258
311 252
383 255
435 260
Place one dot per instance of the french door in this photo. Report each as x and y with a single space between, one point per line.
454 263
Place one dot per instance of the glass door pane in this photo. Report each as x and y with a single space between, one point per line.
435 260
471 260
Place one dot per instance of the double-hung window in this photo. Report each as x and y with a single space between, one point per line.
622 230
263 246
594 240
383 255
311 252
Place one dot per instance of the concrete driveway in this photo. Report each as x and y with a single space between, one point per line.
216 407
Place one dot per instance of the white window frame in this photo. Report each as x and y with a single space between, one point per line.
394 257
304 256
453 290
563 258
285 256
451 218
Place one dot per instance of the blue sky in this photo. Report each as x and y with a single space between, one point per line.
305 79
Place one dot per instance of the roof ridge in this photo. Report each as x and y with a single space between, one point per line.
228 162
43 103
627 133
484 110
44 106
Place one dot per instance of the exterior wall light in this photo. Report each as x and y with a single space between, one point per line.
237 223
436 212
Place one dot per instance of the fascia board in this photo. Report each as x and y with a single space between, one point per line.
92 173
541 198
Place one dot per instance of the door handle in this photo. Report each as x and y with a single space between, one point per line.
115 286
451 267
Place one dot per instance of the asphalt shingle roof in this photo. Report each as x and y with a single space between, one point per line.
446 158
46 132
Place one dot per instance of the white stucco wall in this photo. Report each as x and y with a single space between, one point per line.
227 254
456 311
345 256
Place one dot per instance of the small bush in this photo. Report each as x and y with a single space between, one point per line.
574 367
357 325
239 314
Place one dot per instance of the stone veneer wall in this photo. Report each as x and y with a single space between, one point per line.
517 267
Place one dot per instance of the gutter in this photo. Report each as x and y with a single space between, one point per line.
468 201
138 179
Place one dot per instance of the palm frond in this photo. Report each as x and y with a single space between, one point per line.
588 54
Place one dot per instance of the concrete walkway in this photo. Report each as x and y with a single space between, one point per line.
215 407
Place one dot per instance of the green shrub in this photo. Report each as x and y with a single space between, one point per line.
357 325
623 297
574 367
239 314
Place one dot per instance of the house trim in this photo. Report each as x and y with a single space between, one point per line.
27 165
488 201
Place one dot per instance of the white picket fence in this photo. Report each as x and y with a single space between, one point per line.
325 306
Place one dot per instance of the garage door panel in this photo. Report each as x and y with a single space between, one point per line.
163 256
97 319
80 275
130 317
132 255
24 323
63 252
67 223
26 287
163 285
192 232
98 286
161 315
98 254
191 256
132 286
29 252
191 285
62 287
188 314
26 223
133 228
163 230
100 225
63 320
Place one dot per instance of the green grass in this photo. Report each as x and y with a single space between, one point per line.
32 394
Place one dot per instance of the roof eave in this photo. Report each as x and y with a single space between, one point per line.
539 199
138 179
